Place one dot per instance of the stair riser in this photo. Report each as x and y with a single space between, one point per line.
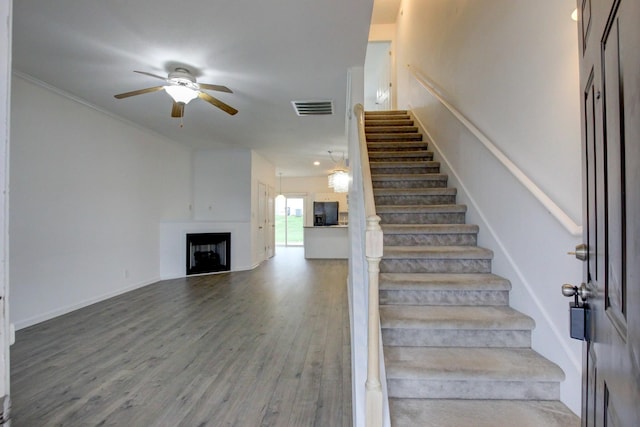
378 113
435 266
473 389
394 137
388 122
422 218
401 156
455 338
423 183
451 298
414 200
397 147
453 239
377 117
390 129
399 169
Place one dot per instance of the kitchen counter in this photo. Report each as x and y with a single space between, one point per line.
326 242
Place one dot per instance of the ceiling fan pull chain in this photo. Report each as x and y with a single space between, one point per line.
181 121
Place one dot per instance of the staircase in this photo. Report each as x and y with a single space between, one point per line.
455 353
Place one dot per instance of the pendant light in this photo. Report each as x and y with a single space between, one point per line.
339 176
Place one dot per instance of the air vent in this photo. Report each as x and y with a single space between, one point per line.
313 108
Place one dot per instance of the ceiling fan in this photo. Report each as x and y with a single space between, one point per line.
181 85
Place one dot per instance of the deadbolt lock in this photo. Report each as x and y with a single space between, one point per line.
581 252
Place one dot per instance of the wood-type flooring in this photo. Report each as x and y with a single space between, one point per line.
266 347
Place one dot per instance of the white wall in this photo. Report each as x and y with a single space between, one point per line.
88 192
222 185
511 68
304 184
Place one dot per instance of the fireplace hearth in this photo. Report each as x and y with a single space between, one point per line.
208 253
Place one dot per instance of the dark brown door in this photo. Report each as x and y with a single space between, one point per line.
609 34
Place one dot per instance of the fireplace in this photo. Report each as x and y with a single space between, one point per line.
208 252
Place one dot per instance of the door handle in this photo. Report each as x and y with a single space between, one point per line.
581 252
573 291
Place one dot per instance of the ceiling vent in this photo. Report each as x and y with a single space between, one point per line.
313 108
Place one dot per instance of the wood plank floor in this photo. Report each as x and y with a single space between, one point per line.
267 347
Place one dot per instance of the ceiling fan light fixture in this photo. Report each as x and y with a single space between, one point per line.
181 93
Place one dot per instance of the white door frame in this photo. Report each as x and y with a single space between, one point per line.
5 106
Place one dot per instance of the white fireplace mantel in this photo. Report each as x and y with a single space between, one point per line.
173 244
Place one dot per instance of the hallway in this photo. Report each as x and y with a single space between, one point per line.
265 347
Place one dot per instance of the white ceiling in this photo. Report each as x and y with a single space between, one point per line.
268 52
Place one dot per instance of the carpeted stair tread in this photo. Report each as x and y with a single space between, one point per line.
436 252
449 191
444 289
414 196
397 146
422 154
391 129
505 364
368 118
443 281
446 208
430 234
409 176
454 317
408 164
388 121
376 113
480 413
429 228
394 137
410 181
421 213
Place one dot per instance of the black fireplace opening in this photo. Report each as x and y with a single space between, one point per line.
208 252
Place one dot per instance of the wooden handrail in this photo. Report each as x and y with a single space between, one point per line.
373 253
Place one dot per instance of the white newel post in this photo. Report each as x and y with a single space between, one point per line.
373 252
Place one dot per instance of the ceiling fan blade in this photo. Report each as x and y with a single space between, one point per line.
221 105
177 110
138 92
215 87
151 75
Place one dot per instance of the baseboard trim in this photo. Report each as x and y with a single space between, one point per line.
24 323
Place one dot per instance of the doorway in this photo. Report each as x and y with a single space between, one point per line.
377 77
289 221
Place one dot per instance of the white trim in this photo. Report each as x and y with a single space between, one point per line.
534 299
557 212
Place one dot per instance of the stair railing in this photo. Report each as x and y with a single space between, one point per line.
373 254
